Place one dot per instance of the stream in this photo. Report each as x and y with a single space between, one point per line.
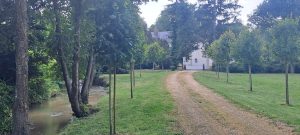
50 117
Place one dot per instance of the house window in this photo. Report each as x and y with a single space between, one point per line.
196 60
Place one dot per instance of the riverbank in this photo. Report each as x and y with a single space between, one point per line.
51 116
149 112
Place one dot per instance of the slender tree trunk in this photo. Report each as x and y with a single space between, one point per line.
133 74
250 76
86 84
140 70
109 102
292 68
114 100
153 66
227 73
131 82
20 108
93 75
287 84
218 71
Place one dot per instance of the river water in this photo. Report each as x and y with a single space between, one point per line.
50 117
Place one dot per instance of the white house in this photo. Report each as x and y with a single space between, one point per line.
196 61
163 35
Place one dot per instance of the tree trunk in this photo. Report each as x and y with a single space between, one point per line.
292 68
140 70
287 84
153 66
133 74
109 103
20 107
218 71
114 100
227 73
75 93
93 75
86 84
250 76
61 55
131 82
58 39
72 89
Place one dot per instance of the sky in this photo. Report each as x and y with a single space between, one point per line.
151 11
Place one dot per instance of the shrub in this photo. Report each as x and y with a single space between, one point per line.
6 96
100 81
41 89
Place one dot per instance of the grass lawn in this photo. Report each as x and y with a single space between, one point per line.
267 98
149 113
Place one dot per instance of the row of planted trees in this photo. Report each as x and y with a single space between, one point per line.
79 36
254 47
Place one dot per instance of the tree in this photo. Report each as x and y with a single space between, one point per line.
213 53
78 97
221 50
285 45
215 17
117 34
270 11
20 109
247 50
154 53
179 19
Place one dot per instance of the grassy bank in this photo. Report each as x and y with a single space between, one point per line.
268 97
149 113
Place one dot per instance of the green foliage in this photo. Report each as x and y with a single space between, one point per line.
215 18
6 96
155 53
119 30
271 11
149 113
180 20
40 89
220 50
247 48
286 41
267 99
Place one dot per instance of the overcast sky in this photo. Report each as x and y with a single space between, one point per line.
151 10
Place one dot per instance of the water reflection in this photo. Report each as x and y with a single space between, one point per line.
48 118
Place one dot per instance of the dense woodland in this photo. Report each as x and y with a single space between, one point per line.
48 46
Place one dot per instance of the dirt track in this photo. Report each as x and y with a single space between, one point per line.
202 112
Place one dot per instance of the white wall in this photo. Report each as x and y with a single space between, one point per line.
197 60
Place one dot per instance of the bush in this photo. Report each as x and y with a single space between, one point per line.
37 91
100 81
6 96
41 89
104 69
173 68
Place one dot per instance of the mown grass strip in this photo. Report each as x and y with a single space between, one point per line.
267 98
148 113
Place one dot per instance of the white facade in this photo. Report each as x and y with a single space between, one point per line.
164 35
197 61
